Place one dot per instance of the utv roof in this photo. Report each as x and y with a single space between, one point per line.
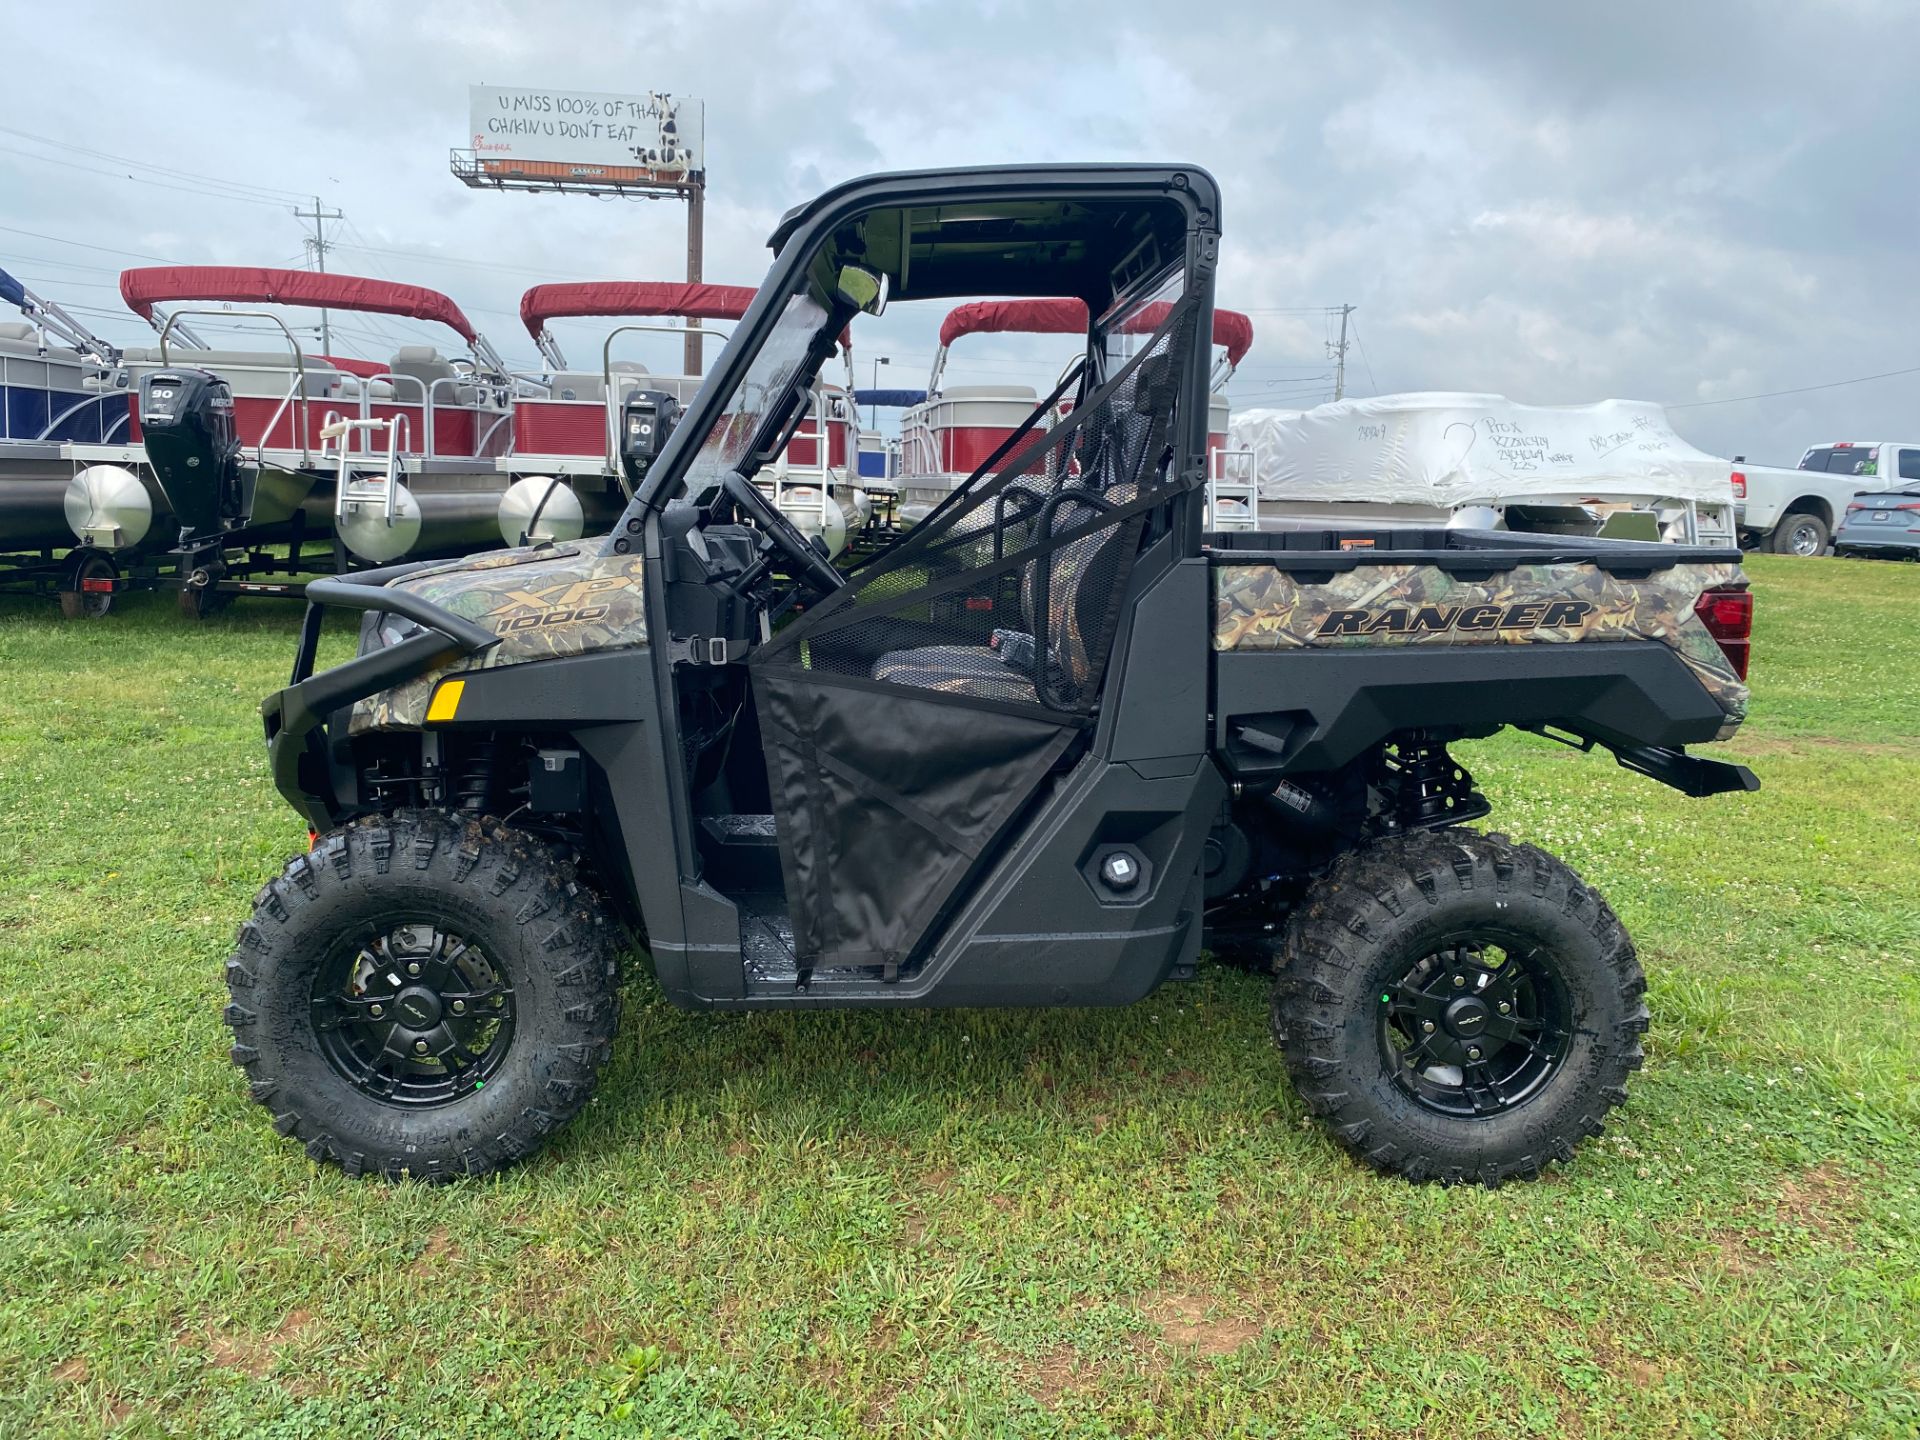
1012 229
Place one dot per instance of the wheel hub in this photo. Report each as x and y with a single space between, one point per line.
418 1007
1467 1018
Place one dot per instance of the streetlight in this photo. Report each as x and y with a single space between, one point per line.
873 418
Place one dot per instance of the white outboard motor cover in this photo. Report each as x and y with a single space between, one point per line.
1446 449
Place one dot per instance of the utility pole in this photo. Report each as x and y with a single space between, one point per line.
873 409
1339 353
318 245
696 244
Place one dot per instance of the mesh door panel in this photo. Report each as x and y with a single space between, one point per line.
1039 552
907 718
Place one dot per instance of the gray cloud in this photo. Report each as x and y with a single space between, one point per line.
1680 202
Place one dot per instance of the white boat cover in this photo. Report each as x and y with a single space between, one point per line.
1437 448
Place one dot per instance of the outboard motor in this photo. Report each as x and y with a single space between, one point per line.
647 418
187 419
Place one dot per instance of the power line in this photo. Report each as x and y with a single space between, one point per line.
1371 382
431 259
200 190
265 191
87 245
1797 390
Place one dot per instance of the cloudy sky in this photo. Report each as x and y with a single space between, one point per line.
1685 201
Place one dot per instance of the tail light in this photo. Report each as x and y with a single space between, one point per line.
1728 615
1739 485
1853 506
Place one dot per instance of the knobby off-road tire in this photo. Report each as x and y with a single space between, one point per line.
423 996
1379 959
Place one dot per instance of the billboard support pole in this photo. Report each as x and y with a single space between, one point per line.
696 245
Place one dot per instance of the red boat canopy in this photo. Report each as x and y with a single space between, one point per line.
631 297
1069 317
144 288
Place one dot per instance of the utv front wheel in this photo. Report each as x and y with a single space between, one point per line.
424 996
1456 1007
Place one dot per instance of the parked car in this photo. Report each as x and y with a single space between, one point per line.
1795 512
1882 522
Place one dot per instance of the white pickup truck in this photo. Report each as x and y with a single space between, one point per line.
1794 512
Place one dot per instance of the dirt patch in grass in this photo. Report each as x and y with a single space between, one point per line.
1184 1321
70 1372
439 1251
1819 1199
254 1354
1052 1376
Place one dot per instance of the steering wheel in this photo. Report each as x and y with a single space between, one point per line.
810 566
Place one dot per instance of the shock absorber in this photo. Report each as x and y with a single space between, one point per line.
1431 788
473 782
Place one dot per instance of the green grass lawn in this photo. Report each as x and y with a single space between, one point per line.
1034 1224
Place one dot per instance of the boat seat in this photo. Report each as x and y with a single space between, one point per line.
428 366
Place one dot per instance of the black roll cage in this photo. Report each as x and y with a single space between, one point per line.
802 233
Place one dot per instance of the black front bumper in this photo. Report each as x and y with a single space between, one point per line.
295 717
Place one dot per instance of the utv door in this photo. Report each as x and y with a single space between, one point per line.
909 721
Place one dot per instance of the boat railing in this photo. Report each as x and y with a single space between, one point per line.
298 388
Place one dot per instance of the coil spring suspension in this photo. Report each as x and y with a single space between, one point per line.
473 784
1427 786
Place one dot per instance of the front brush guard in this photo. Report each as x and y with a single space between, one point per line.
296 752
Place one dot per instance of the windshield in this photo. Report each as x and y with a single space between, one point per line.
771 375
1841 460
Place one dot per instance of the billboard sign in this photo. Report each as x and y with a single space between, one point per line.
647 137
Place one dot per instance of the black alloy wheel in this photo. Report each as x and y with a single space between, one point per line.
1478 1028
415 1017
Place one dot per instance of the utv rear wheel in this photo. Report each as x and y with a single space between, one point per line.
1458 1008
423 996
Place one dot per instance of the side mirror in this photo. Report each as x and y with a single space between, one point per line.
863 289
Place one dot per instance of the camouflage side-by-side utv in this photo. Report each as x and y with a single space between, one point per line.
1041 750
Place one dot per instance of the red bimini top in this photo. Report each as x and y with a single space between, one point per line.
1069 317
631 297
144 288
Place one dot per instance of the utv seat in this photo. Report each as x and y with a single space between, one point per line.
975 670
1075 611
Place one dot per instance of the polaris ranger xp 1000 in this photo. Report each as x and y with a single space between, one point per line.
1042 749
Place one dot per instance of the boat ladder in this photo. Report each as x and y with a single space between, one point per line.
1233 490
367 486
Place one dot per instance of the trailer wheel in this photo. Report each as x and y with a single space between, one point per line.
1455 1007
197 602
423 996
79 603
